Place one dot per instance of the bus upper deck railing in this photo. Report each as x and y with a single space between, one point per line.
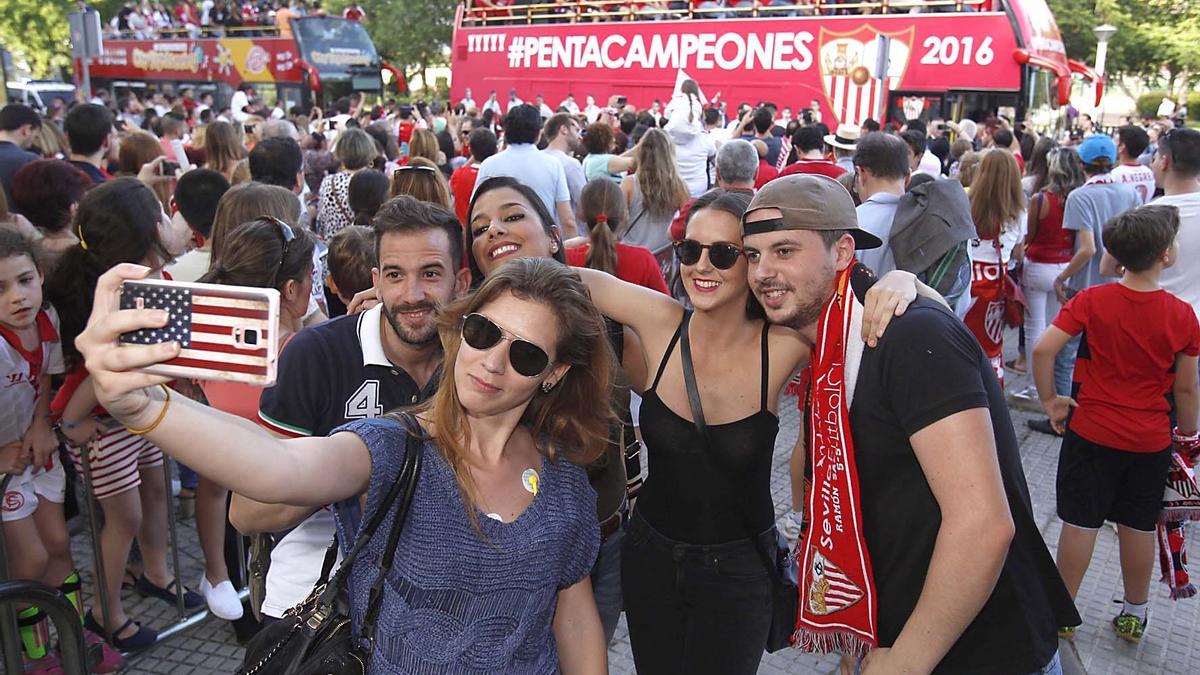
481 13
509 12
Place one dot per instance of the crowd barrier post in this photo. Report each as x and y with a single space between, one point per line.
73 656
10 637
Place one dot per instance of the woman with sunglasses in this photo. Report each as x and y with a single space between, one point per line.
507 221
263 253
697 593
490 574
423 181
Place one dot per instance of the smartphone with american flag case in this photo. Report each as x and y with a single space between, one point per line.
227 333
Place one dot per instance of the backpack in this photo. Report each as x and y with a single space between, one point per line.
930 235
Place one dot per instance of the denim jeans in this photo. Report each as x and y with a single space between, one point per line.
187 478
694 609
606 583
1053 668
1064 366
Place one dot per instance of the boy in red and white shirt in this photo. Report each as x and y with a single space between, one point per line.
1132 141
32 507
1140 344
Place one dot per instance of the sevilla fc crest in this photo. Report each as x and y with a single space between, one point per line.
847 61
830 590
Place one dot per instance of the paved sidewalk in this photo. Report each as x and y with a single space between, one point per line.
1170 645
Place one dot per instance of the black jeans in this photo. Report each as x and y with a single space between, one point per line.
694 608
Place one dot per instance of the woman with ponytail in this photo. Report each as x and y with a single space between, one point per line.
602 207
120 221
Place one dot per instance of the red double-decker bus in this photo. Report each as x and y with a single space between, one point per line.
947 58
325 58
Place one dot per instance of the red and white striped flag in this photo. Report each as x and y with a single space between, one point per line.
223 334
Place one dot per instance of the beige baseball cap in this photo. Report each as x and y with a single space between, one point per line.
808 202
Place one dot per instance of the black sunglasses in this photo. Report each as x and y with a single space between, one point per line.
481 333
721 255
288 235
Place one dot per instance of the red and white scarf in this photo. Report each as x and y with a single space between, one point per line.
837 588
1181 503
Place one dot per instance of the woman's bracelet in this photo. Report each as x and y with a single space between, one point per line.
158 420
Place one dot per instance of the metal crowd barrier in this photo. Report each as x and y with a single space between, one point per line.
73 655
183 620
21 591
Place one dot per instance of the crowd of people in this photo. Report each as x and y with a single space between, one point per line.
528 298
149 20
554 11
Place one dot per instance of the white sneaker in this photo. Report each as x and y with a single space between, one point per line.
222 600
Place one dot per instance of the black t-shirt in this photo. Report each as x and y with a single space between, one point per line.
927 367
336 373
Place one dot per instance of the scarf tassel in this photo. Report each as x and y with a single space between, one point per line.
826 642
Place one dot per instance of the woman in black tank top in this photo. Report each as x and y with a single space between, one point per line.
507 221
697 591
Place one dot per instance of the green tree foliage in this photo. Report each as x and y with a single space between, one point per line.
410 35
1154 37
37 34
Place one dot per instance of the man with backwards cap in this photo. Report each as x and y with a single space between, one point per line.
921 550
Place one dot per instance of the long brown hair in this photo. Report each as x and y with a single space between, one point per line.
423 144
245 202
422 180
602 207
573 419
254 256
996 195
663 191
224 147
138 149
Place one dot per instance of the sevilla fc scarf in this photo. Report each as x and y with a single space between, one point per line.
1181 503
837 589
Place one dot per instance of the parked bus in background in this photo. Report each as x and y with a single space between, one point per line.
947 59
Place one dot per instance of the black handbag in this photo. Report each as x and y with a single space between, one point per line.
316 637
780 564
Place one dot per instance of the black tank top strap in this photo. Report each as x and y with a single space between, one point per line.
766 366
662 365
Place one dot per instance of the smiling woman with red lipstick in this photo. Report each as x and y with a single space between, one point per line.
697 594
507 221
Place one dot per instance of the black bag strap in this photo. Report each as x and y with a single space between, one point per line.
408 478
693 393
329 595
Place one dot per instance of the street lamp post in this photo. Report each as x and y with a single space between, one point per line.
1103 34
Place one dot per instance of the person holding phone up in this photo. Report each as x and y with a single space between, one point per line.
502 528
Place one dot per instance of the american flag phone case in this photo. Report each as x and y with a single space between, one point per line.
228 333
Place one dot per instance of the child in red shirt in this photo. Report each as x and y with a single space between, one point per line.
1140 343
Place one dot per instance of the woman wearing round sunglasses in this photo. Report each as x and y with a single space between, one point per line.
697 593
508 221
491 570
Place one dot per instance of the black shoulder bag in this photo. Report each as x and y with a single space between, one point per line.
785 594
316 636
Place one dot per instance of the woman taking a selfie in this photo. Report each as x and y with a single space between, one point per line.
485 548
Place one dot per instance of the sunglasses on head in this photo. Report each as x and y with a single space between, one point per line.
481 333
288 235
722 255
413 167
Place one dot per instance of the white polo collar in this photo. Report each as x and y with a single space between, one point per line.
370 337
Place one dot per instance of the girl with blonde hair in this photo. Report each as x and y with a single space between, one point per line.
998 209
654 194
224 150
421 179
